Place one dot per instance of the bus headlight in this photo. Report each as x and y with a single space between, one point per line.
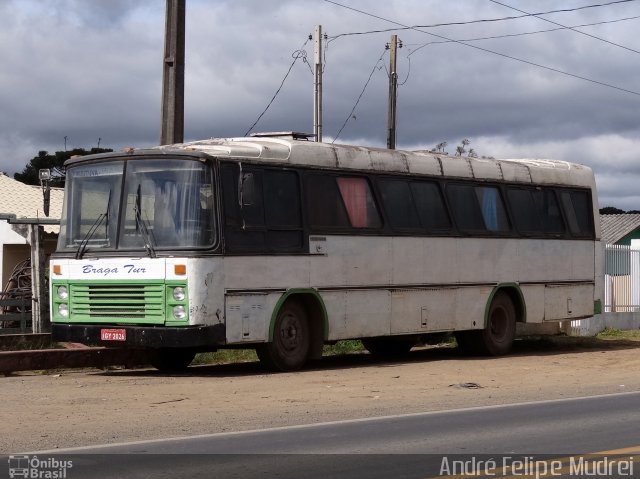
63 292
179 312
63 310
178 293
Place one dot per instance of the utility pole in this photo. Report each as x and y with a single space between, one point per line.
172 117
393 91
317 83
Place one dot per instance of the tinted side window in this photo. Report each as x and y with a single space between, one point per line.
549 211
324 203
525 211
578 212
359 203
282 199
262 210
431 208
252 198
228 177
399 205
240 237
464 205
492 207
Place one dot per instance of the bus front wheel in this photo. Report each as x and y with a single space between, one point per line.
289 349
171 359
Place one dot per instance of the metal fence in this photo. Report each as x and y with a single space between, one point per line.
621 279
15 314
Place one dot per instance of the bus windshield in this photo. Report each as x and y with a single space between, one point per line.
137 205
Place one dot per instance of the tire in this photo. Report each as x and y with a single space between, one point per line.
389 347
171 359
497 337
291 343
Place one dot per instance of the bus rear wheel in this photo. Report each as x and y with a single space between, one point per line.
289 349
497 337
171 359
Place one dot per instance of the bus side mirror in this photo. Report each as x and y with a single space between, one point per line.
247 189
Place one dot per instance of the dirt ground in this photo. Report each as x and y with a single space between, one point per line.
78 408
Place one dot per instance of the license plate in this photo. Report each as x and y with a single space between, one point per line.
113 334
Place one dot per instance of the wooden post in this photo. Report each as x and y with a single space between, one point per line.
172 120
39 302
317 84
393 87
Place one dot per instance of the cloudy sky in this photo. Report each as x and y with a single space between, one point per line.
91 70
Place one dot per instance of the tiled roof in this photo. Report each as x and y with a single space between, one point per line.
616 227
25 201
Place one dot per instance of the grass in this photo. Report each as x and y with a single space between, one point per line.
21 343
350 346
226 356
343 347
612 333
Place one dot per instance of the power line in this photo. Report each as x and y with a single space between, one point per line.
570 28
507 35
468 22
486 50
301 53
373 70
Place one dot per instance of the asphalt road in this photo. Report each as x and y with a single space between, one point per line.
398 446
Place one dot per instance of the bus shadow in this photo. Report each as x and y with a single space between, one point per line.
543 346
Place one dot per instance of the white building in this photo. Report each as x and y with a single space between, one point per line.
23 201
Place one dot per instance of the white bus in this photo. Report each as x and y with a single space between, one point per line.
283 244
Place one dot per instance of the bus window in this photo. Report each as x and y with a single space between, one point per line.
524 209
283 216
359 202
269 218
493 212
399 205
578 212
464 205
430 205
549 210
324 203
282 199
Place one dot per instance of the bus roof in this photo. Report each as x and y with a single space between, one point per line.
283 150
286 150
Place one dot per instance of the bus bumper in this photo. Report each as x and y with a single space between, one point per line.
142 336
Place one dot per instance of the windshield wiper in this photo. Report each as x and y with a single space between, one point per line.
141 225
102 217
83 244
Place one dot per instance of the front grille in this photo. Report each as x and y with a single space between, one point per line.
121 302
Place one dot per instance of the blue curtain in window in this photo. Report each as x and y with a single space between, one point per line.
490 208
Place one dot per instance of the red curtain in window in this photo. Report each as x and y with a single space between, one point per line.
354 194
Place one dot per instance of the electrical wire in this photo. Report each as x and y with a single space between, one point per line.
570 28
486 50
507 35
373 70
408 71
301 53
468 22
